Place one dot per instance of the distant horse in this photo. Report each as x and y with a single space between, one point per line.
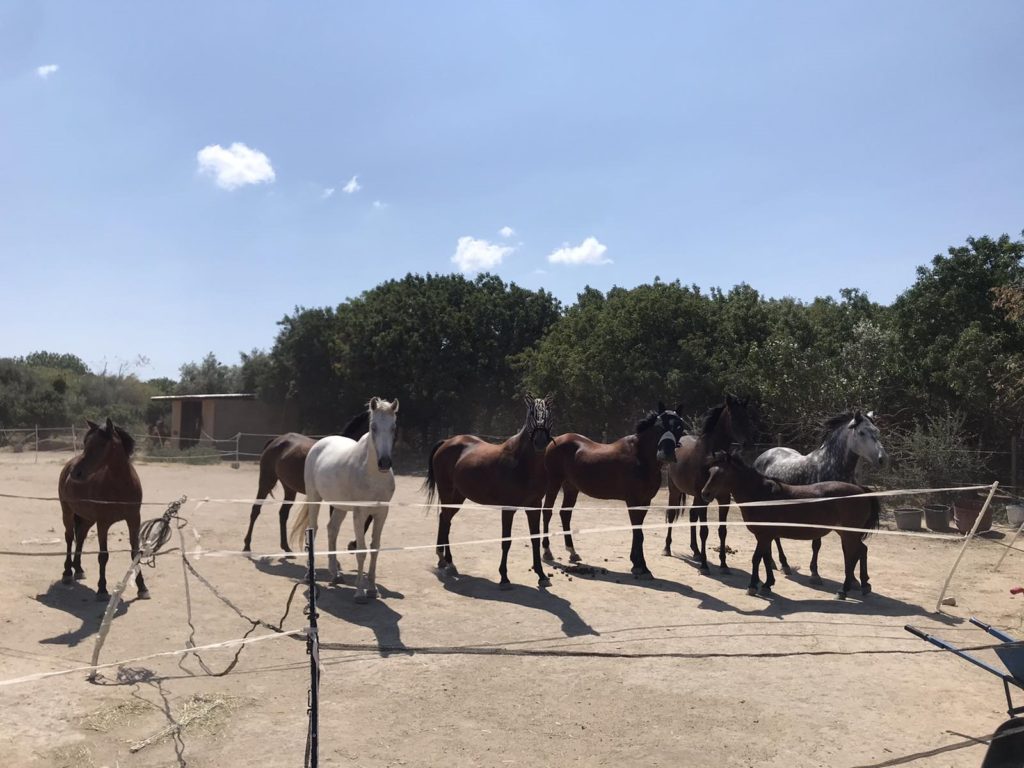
100 487
510 475
284 458
341 469
628 470
723 427
729 474
849 437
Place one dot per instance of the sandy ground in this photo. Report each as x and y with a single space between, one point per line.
682 670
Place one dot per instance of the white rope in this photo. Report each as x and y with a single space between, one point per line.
181 652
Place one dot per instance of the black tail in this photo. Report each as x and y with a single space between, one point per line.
431 482
876 515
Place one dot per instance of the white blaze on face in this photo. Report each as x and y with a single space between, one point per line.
383 425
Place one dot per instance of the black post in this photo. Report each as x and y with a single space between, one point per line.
313 649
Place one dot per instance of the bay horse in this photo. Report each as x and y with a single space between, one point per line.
627 470
100 487
849 437
509 475
284 459
723 427
729 474
339 468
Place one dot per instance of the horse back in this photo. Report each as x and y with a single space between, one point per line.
491 474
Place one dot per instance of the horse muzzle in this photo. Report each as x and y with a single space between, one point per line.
667 448
384 464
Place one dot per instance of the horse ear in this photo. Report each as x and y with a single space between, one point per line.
871 415
374 402
110 426
528 398
394 405
92 424
549 399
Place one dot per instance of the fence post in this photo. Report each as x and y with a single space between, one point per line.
36 460
238 440
1013 462
74 440
967 540
313 649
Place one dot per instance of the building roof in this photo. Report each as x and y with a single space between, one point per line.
234 396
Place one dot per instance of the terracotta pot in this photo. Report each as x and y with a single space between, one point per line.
936 516
908 518
966 511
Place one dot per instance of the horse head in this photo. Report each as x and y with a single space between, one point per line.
539 420
383 419
99 447
672 431
864 439
740 425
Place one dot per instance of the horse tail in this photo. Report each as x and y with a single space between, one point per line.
298 533
430 484
874 519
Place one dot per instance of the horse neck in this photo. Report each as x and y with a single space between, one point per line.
118 463
647 442
751 485
521 445
835 459
720 438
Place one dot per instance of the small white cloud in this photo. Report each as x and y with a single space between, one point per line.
590 251
46 70
472 255
328 191
506 231
378 204
352 187
235 166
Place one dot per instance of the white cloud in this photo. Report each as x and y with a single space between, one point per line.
235 166
46 70
472 255
378 204
328 191
353 186
506 231
590 251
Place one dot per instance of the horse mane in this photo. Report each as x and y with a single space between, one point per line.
357 426
646 422
833 423
127 441
710 420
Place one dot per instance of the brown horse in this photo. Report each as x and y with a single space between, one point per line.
510 475
284 458
724 426
100 487
729 474
627 470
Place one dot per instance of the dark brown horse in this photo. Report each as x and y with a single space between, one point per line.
284 459
729 474
510 475
100 487
627 470
724 426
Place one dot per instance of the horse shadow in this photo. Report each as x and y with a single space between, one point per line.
79 601
338 601
539 598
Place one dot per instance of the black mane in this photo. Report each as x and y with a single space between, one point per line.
357 426
833 423
127 441
646 422
710 420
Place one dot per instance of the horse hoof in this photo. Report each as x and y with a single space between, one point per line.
766 592
246 547
544 582
143 594
80 575
505 586
705 570
547 557
816 579
865 590
337 580
574 558
751 590
725 570
787 570
66 579
360 596
284 548
451 570
102 597
351 546
645 576
371 594
840 595
667 552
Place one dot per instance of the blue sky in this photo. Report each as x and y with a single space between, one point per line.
799 147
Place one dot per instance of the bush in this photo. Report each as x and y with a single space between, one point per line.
935 453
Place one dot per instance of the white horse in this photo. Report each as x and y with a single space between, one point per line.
341 469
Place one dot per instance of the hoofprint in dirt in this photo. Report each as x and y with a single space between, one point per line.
600 669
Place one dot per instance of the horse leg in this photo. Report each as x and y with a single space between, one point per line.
70 521
694 519
449 506
755 568
380 515
506 544
723 529
267 481
569 495
671 513
282 516
702 515
865 585
359 515
851 553
101 587
312 510
533 521
82 527
769 567
783 562
815 549
333 527
544 543
133 539
366 527
636 552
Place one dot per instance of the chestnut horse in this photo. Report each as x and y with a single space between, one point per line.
628 470
724 426
510 475
284 458
729 474
100 487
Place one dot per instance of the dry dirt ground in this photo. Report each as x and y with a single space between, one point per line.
682 670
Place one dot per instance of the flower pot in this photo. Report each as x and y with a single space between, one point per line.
908 518
966 511
1015 515
936 517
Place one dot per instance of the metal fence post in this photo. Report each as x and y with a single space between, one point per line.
36 460
313 649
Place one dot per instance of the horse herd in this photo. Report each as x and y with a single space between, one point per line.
528 470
